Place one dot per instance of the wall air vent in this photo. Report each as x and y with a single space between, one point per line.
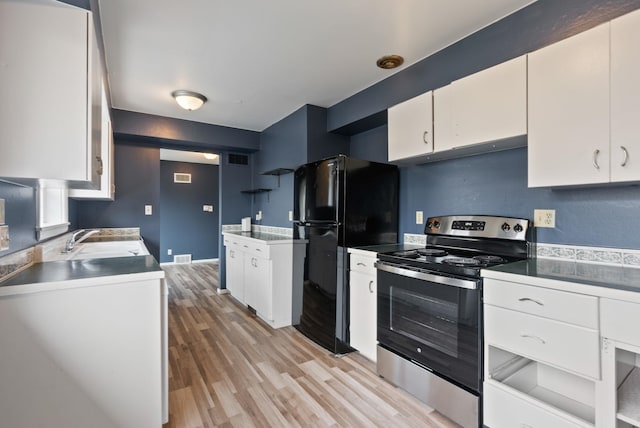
236 159
181 177
182 258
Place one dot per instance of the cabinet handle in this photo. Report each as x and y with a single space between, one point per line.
596 153
245 246
523 425
100 167
531 336
360 264
529 299
626 156
371 286
424 137
258 249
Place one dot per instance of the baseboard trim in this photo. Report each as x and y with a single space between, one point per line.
192 262
223 291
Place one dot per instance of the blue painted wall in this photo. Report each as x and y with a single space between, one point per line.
20 215
297 139
137 180
184 227
370 145
496 184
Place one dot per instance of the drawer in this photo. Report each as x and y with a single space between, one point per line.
255 248
572 308
573 348
362 263
620 320
505 410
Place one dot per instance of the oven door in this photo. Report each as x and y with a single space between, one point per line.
433 320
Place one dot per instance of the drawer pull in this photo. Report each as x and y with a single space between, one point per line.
531 336
245 246
370 287
360 264
529 299
258 249
523 425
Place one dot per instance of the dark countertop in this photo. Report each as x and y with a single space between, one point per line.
262 236
66 270
610 277
385 248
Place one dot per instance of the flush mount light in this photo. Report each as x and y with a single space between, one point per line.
189 100
209 156
388 62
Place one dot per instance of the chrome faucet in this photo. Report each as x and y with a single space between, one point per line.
71 242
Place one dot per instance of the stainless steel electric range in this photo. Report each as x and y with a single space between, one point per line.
430 310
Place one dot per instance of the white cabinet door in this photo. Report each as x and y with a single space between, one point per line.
235 273
486 106
569 111
410 128
625 98
258 285
107 188
363 313
43 82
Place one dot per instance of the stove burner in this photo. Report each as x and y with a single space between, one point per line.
463 261
410 254
489 259
433 252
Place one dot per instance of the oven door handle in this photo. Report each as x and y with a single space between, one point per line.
426 276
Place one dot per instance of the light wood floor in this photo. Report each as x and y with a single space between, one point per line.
227 368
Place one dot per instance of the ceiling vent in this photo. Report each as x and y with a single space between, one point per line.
236 159
181 177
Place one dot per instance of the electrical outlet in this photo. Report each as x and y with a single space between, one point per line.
169 252
148 210
290 215
259 216
419 215
544 218
207 208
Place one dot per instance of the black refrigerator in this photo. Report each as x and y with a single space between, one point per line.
339 203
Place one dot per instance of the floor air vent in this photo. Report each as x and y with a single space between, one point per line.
182 258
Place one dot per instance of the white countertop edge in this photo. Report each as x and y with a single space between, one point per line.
563 285
41 287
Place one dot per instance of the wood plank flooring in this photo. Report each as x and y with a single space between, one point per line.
229 369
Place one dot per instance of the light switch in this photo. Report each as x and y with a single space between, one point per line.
148 210
169 252
259 216
290 215
419 215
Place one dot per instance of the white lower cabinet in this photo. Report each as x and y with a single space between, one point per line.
621 363
261 274
363 319
542 365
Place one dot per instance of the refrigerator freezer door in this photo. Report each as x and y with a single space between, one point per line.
316 192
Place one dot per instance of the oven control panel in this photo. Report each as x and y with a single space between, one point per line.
478 226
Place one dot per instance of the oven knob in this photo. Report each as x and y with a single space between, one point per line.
419 350
429 224
436 224
517 228
506 227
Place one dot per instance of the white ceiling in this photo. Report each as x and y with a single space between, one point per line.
257 61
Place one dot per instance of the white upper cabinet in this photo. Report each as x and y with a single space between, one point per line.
625 98
487 106
107 186
569 111
410 128
46 105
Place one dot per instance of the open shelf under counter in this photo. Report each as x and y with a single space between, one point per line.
629 398
554 392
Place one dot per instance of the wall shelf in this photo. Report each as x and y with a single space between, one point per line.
278 172
254 191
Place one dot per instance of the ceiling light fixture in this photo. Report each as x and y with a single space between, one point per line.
209 156
388 62
189 100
